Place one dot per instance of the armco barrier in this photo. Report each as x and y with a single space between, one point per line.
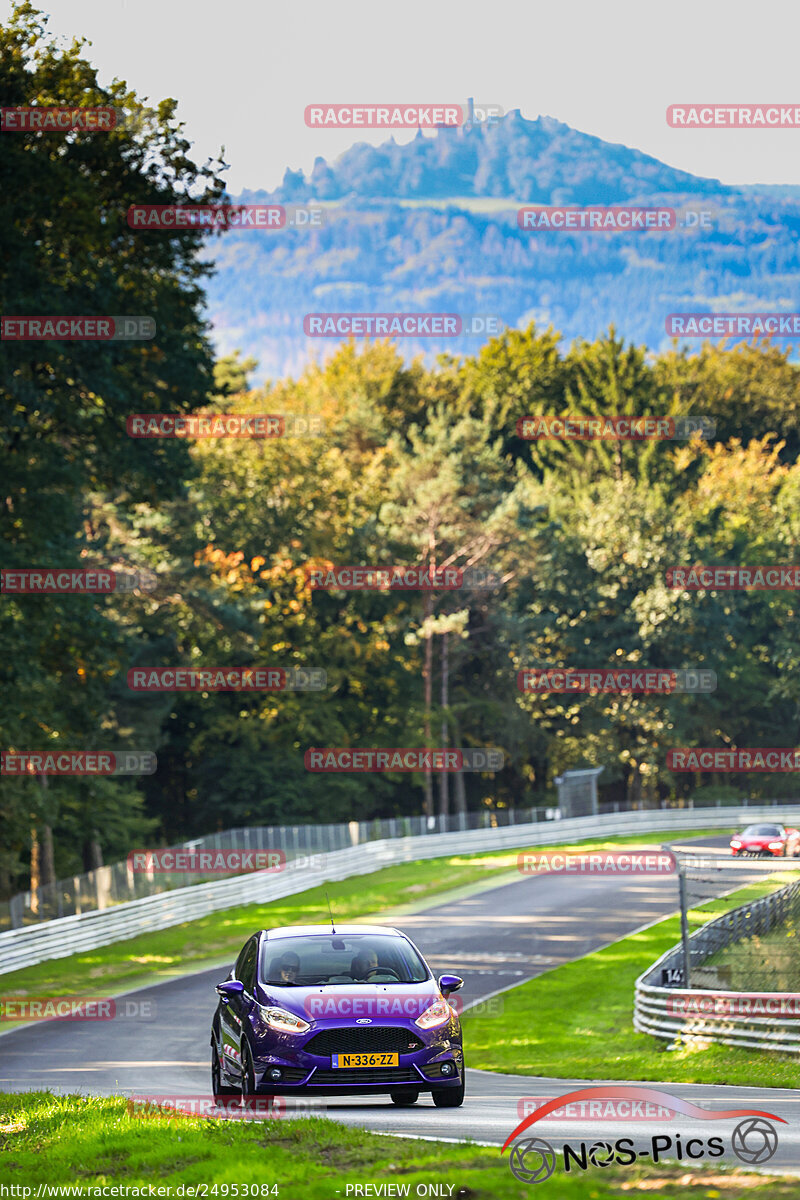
70 935
773 1031
118 883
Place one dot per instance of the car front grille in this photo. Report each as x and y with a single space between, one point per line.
364 1040
387 1075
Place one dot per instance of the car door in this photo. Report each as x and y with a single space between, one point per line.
234 1008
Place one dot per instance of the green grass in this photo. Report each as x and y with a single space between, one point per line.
576 1020
153 957
91 1142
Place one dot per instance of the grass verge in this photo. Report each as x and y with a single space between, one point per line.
153 957
91 1143
576 1020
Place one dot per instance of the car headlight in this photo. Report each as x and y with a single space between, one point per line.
775 846
736 843
280 1019
436 1014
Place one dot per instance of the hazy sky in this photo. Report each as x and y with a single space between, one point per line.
244 70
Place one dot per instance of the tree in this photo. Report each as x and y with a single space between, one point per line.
449 505
66 249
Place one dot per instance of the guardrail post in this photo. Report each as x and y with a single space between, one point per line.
684 930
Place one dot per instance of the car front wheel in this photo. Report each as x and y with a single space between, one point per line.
404 1099
250 1098
450 1097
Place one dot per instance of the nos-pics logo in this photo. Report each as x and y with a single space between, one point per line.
533 1159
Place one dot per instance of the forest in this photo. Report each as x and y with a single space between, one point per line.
412 463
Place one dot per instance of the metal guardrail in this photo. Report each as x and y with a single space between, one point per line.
118 883
660 1010
88 931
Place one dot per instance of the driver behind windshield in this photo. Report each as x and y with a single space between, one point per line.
364 964
288 966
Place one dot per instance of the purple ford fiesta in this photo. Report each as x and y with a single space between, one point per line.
349 1011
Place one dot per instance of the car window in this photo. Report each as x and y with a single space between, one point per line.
246 972
764 830
347 959
237 970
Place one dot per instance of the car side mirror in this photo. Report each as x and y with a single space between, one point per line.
449 983
231 987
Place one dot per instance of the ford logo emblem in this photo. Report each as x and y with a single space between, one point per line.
364 1021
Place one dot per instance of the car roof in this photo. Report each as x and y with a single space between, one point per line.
339 931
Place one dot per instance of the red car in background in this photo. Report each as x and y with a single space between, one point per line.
778 840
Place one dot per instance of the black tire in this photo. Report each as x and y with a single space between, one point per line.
404 1099
249 1097
222 1093
451 1097
247 1083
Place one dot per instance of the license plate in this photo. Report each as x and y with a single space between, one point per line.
365 1060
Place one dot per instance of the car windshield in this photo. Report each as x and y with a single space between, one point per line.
329 959
763 831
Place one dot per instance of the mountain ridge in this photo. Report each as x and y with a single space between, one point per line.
430 225
542 160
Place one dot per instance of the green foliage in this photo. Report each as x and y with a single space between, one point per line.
73 483
417 465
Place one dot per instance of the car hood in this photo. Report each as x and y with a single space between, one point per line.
349 1002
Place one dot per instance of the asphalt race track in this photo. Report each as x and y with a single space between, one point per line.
494 939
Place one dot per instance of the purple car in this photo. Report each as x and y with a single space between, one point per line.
348 1011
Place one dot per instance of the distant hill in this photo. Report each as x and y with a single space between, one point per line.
431 226
541 161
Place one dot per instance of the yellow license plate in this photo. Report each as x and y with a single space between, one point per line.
365 1060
